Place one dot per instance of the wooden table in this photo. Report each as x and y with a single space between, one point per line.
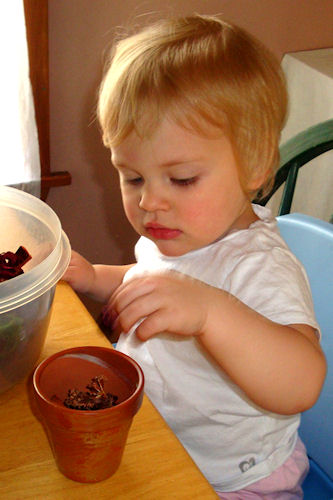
154 466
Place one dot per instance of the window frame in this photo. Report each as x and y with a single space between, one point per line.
36 18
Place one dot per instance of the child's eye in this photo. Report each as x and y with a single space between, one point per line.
135 181
184 182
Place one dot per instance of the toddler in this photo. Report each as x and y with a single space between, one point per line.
217 310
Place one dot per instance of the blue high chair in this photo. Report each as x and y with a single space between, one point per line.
311 240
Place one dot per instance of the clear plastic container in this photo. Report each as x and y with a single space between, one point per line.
26 300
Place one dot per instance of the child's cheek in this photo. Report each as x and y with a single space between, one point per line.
130 210
194 211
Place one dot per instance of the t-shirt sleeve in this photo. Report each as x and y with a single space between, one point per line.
274 284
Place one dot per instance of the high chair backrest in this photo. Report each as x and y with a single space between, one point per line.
295 153
311 240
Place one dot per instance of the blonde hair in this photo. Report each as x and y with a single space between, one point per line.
198 70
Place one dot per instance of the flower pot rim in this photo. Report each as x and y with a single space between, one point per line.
40 367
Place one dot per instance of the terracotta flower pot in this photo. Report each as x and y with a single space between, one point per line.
87 444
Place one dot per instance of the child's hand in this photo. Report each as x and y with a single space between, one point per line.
80 274
168 302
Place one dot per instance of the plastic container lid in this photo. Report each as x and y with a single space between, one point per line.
28 221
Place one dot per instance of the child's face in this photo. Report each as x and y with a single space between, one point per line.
181 189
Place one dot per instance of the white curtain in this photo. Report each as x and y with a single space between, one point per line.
20 164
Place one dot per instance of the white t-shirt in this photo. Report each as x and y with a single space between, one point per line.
232 441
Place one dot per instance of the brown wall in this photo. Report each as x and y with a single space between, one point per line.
79 32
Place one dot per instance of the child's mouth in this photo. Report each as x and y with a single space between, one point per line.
159 232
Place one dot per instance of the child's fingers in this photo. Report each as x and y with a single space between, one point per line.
139 308
130 291
69 275
155 323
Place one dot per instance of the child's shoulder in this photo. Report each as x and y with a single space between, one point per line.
262 235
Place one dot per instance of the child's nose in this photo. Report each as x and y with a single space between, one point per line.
153 198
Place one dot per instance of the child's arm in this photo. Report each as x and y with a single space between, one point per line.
96 281
280 368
